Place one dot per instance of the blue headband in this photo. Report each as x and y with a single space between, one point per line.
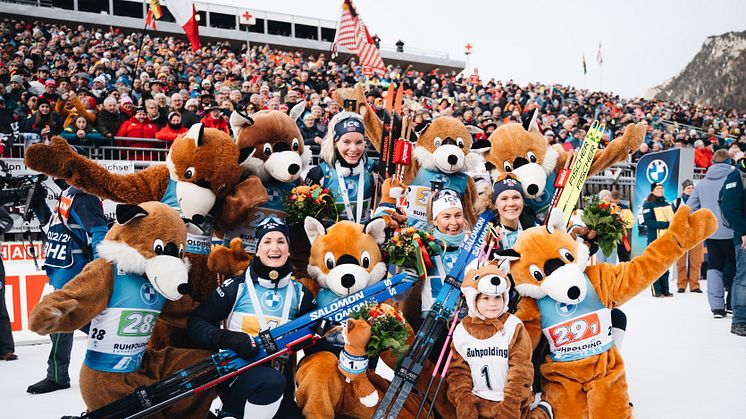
506 184
346 125
269 224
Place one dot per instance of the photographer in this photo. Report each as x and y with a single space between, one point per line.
7 347
77 226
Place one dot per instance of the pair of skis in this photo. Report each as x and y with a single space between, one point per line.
396 148
434 324
288 338
569 184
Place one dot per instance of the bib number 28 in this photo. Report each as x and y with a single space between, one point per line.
137 323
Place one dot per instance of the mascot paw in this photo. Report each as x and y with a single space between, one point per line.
47 318
228 261
246 196
634 135
54 159
466 407
391 190
691 229
370 400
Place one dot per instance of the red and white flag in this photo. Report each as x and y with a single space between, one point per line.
185 15
353 35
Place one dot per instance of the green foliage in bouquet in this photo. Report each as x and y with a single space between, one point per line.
304 201
388 330
605 218
412 248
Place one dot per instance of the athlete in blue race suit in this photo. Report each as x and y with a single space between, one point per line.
264 297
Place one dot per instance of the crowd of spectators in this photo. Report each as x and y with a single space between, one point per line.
87 85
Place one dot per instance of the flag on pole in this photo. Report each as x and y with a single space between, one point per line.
154 13
155 9
185 15
353 35
599 58
585 68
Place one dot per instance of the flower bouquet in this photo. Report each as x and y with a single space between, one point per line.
412 248
605 218
387 326
304 201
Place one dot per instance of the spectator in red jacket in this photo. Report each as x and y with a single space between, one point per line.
172 129
215 118
139 126
702 155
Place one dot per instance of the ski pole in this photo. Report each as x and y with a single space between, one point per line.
440 382
446 346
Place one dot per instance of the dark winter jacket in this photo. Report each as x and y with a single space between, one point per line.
733 205
108 122
648 214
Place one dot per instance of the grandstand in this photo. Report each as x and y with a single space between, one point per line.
220 22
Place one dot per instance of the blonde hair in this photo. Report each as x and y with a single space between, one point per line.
327 153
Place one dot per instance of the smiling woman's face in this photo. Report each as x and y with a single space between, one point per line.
273 251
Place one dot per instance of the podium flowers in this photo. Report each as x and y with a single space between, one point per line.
304 201
387 325
412 248
605 218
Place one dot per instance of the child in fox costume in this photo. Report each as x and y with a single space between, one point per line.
140 274
570 303
491 372
201 179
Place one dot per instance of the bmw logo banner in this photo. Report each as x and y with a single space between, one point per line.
669 168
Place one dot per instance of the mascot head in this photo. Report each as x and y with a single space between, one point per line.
488 279
271 144
445 146
548 262
346 258
149 239
523 151
204 163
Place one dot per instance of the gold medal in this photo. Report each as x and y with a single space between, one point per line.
273 275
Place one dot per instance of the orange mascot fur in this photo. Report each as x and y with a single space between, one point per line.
201 179
524 151
470 395
569 302
138 278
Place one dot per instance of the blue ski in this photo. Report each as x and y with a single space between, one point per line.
434 324
289 338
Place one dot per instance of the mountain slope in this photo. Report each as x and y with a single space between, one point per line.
715 77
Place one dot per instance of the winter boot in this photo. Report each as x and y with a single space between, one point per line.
46 386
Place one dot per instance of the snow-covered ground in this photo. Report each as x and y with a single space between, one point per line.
681 363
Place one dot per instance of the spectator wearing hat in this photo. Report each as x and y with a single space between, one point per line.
69 106
37 86
127 107
694 256
215 118
173 128
50 91
43 122
656 226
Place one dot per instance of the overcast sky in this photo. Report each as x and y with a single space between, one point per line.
644 42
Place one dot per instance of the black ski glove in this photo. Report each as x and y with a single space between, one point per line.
241 343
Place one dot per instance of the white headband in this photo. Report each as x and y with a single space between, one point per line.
446 201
